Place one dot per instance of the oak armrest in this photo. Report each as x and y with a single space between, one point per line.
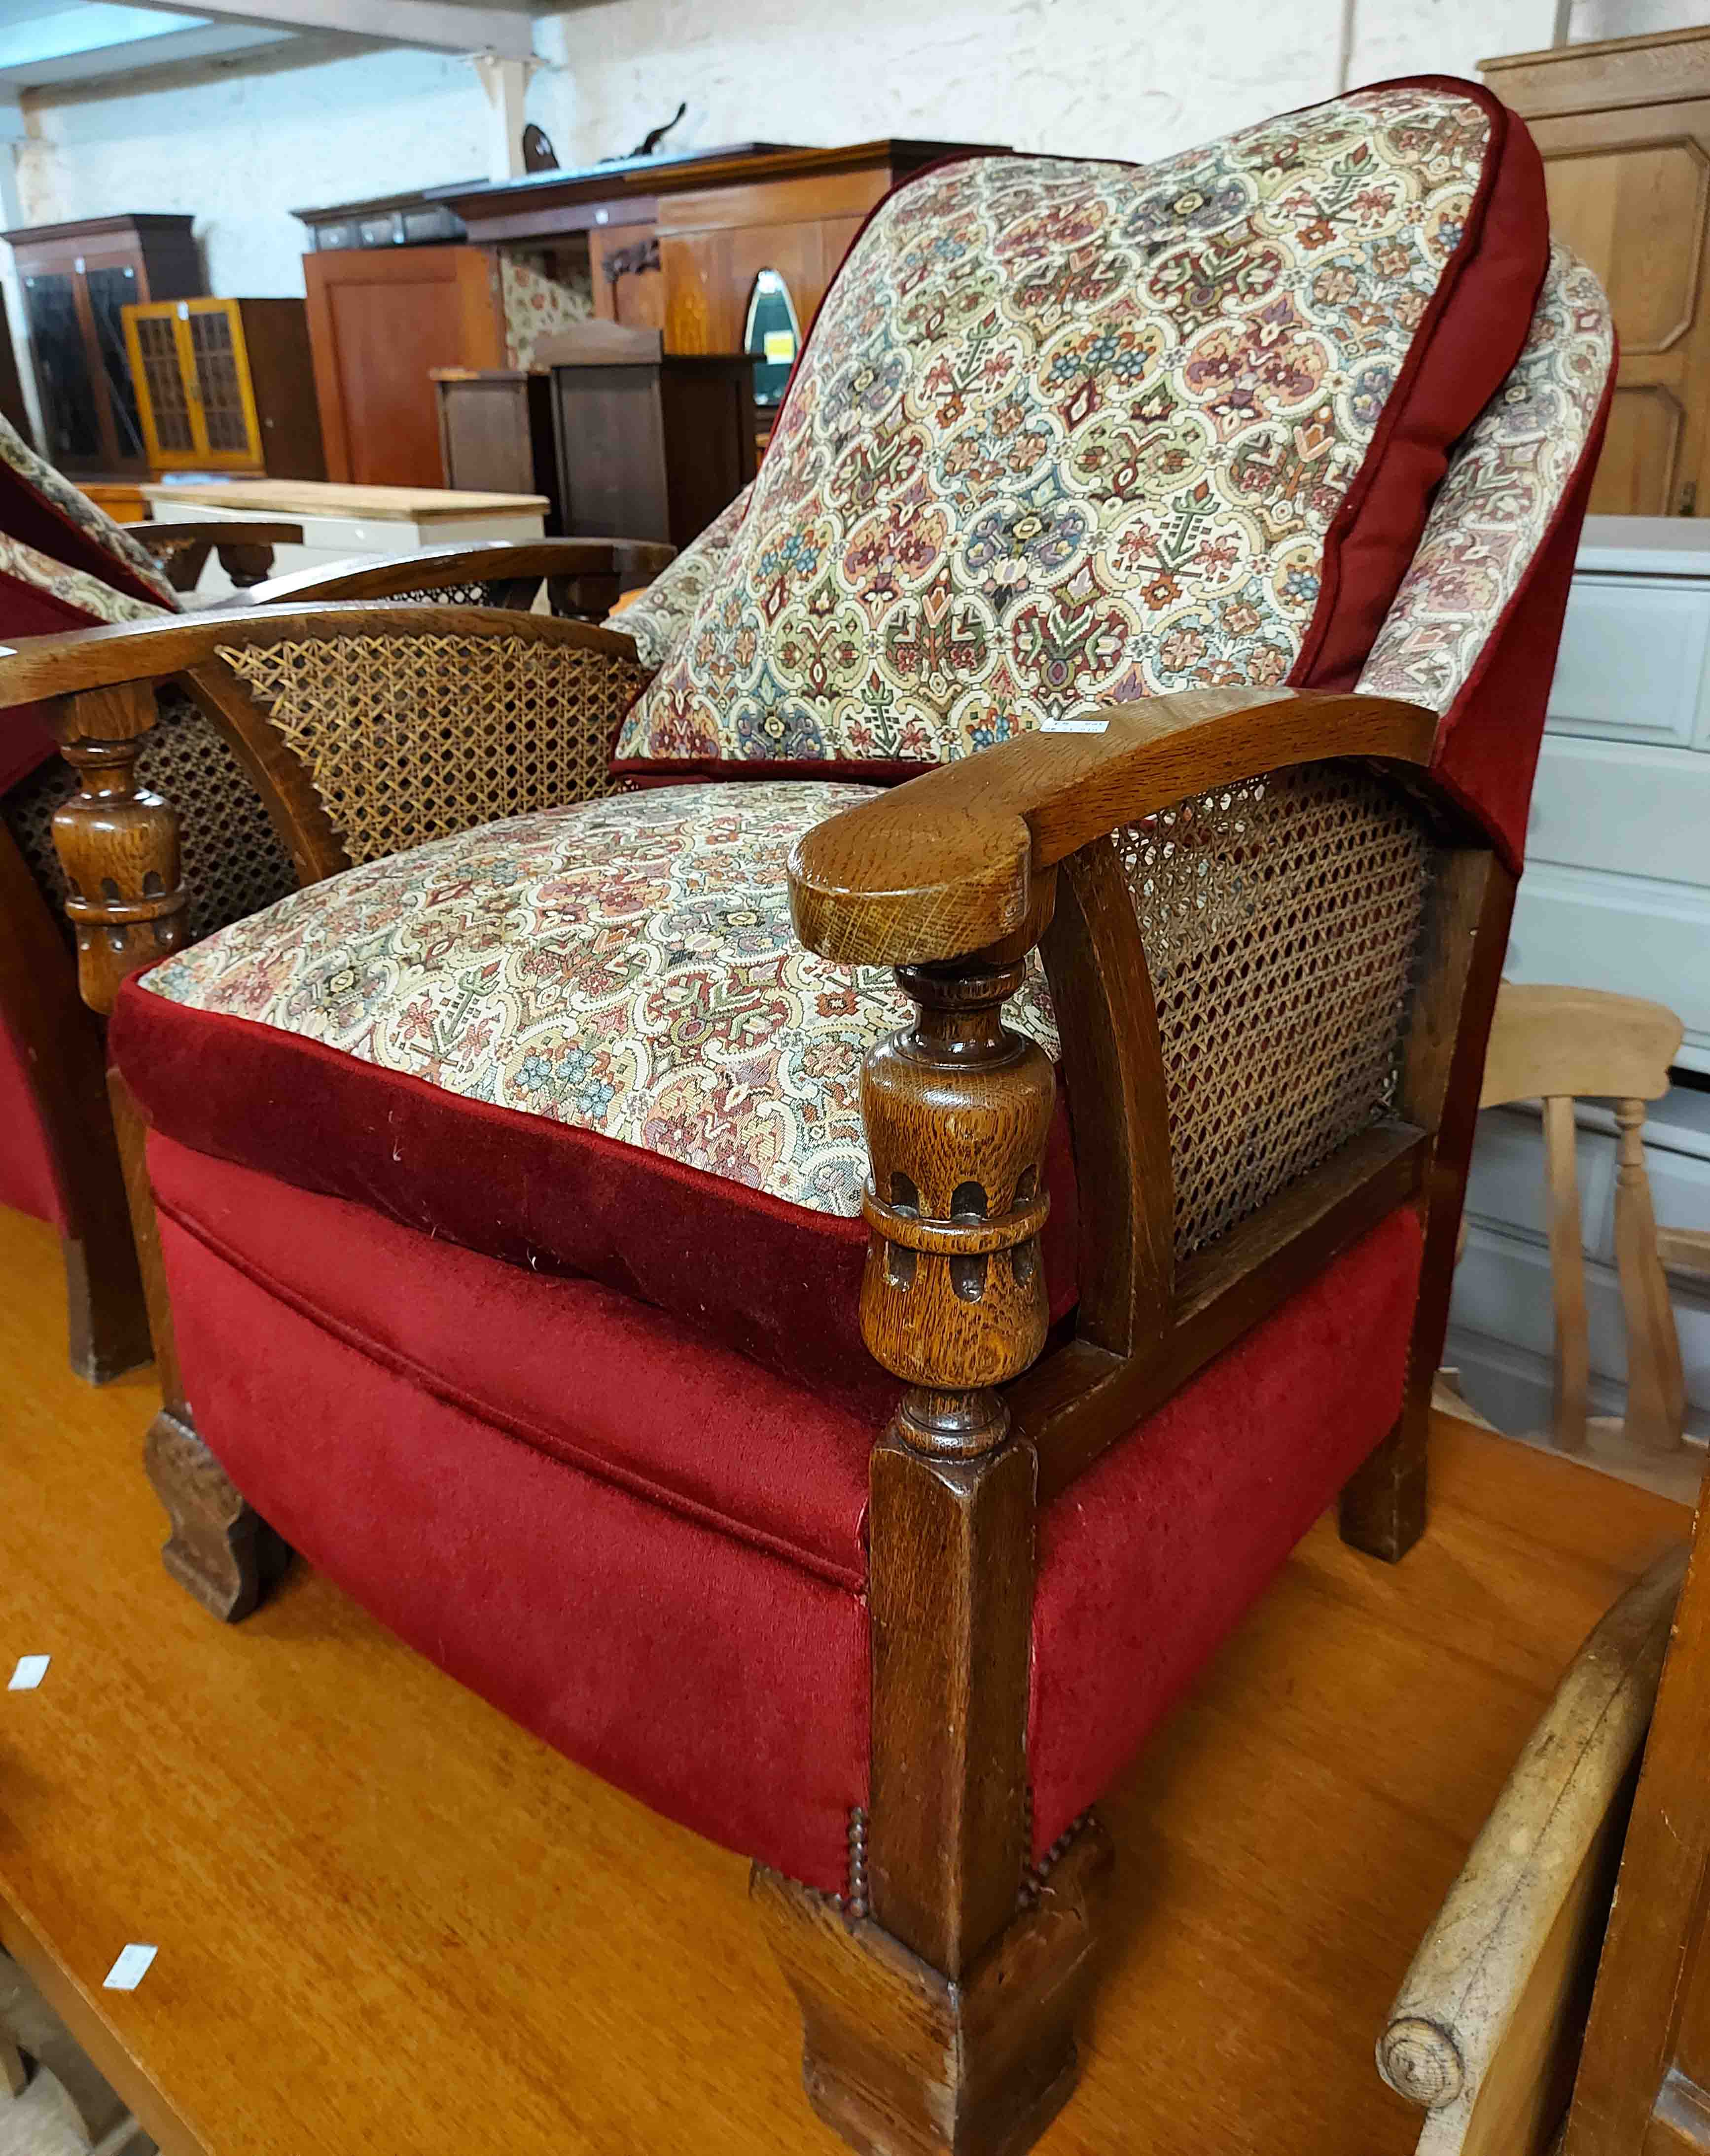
488 562
958 860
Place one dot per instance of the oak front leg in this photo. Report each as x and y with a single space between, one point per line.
939 2001
220 1548
119 846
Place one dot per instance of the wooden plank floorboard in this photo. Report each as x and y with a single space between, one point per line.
388 1920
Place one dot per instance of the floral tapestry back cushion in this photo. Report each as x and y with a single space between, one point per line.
1066 433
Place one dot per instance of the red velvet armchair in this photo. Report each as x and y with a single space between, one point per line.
826 1289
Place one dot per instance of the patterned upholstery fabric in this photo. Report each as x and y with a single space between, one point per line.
73 587
1069 432
37 475
1504 486
626 966
658 616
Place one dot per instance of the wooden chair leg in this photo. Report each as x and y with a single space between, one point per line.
1384 1503
220 1548
107 1318
902 2061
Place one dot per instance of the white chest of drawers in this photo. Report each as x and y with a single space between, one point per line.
1616 895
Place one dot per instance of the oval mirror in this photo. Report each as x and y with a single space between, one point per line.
773 337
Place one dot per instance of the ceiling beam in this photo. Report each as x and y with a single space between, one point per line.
133 54
445 26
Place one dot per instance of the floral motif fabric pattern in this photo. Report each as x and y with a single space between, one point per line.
75 588
89 516
627 966
541 295
1067 434
660 616
1502 488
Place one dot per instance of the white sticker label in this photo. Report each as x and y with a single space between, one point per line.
1074 725
130 1968
30 1670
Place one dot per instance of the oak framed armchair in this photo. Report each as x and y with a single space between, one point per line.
57 1157
823 1258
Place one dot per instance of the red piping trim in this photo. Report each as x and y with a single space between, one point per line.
515 1428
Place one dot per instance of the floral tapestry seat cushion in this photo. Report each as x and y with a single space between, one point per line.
585 1039
1067 433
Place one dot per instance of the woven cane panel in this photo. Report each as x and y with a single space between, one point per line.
1281 920
409 738
233 861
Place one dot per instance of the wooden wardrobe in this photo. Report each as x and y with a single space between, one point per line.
1625 129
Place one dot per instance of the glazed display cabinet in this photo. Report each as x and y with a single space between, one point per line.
225 385
77 281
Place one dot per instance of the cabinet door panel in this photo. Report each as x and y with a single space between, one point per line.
1629 190
62 373
221 379
111 289
378 319
154 345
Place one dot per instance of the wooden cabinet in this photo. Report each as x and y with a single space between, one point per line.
380 320
1625 129
496 433
77 281
715 241
225 385
648 446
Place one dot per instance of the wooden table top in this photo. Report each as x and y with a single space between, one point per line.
388 1920
310 497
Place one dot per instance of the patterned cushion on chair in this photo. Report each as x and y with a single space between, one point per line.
587 1039
1068 432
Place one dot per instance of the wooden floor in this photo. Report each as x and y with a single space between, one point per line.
387 1921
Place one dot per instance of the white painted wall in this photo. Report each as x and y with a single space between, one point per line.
241 144
1126 78
241 147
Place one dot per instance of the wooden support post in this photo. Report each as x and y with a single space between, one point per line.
940 2010
1383 1508
119 846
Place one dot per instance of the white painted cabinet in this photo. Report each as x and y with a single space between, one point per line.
1616 895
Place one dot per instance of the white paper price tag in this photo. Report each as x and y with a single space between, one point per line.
30 1670
130 1968
1074 725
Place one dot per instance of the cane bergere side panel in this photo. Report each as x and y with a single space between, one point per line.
409 738
234 862
1281 920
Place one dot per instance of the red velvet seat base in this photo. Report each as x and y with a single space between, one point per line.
648 1550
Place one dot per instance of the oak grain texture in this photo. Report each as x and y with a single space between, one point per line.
947 864
902 2061
52 666
1384 1503
388 1918
1485 2031
1623 127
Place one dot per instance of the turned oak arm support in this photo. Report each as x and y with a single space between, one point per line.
245 545
118 842
959 860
